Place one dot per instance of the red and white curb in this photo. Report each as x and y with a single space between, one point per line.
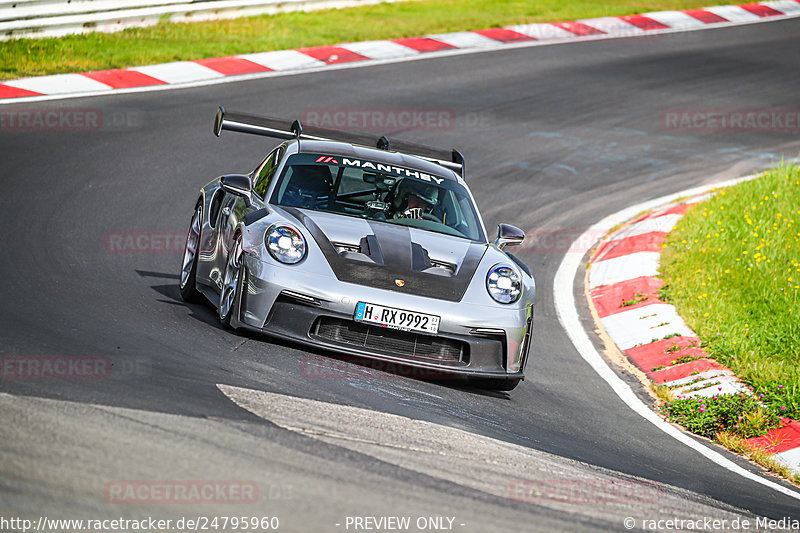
623 289
219 70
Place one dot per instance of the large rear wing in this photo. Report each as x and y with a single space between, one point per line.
280 129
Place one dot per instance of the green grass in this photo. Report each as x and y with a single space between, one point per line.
741 415
174 42
745 418
732 269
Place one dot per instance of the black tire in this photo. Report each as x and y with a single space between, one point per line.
188 284
231 288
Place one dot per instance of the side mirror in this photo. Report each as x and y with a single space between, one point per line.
240 185
508 235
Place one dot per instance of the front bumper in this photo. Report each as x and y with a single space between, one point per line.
318 311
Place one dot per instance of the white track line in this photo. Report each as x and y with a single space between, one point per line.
567 312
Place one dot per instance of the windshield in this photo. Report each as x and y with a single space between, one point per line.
378 191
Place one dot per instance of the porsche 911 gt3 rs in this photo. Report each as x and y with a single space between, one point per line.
370 251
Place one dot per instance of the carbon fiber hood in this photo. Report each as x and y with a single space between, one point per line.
391 257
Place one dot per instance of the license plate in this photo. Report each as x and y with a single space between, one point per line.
389 317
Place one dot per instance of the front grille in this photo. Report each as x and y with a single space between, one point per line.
393 341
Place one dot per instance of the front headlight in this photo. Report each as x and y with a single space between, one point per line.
503 284
285 244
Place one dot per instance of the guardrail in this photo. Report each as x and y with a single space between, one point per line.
54 18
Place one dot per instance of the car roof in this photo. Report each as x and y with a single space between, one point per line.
376 155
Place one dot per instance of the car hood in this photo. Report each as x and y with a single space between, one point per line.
392 257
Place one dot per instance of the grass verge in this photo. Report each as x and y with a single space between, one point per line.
740 415
732 269
166 42
725 411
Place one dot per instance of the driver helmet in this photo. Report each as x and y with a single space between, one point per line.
409 187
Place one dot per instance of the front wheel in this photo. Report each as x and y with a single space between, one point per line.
188 283
231 282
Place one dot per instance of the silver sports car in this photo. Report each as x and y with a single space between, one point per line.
371 252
